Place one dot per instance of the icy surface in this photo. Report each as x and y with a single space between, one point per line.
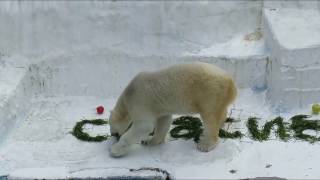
43 140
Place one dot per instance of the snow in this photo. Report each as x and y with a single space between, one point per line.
43 143
50 173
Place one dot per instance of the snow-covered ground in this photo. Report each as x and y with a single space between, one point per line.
42 146
60 60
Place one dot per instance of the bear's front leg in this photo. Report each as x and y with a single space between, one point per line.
212 121
138 131
160 131
119 149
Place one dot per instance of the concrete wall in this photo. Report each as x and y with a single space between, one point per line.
136 27
120 38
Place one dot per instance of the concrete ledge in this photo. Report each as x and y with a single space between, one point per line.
265 178
94 173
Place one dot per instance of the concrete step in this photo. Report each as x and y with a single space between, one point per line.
293 36
301 77
293 39
294 97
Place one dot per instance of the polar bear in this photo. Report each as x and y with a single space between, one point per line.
151 98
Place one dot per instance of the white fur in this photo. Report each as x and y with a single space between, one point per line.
151 98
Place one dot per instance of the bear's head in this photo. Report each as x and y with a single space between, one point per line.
119 124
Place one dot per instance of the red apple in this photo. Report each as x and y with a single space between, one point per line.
100 109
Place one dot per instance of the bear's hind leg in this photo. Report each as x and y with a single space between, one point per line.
162 127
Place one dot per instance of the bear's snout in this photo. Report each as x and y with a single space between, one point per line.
116 135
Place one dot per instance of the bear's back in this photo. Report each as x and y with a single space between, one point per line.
179 88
